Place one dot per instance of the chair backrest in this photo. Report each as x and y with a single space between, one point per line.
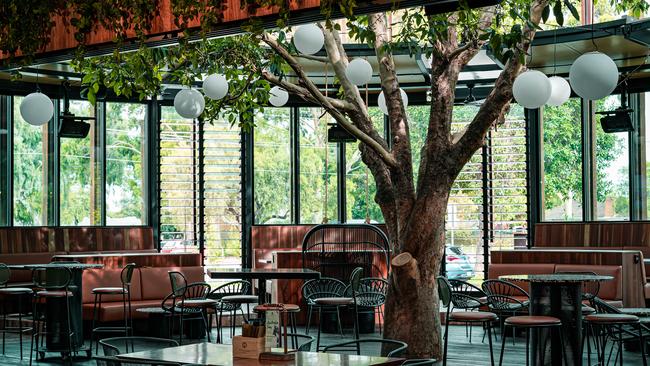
197 290
444 291
323 287
500 287
5 274
52 278
335 250
502 302
466 287
372 292
231 288
127 275
355 280
369 347
603 307
590 289
119 345
304 341
465 295
178 281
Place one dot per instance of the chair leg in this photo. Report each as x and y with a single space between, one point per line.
503 346
93 324
338 321
562 345
489 334
20 326
446 341
309 313
642 345
70 333
204 315
527 343
320 324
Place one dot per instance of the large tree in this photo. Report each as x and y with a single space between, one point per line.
414 210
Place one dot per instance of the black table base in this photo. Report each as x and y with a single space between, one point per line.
562 300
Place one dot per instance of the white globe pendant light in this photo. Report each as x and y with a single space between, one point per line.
37 109
308 39
215 86
593 75
189 103
532 89
279 96
560 91
381 101
359 71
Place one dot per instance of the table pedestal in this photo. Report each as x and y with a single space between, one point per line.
562 300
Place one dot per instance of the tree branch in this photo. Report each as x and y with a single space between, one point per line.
386 156
501 95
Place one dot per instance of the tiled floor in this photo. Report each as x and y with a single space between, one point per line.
461 352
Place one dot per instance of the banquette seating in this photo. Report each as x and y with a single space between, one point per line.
150 285
628 288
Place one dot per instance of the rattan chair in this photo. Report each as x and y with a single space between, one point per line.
189 302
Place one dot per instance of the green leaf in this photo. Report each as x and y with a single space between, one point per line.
545 13
557 12
572 9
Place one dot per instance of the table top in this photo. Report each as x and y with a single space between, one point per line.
261 273
81 266
645 312
556 277
221 355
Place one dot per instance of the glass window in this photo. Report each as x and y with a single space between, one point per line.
79 196
318 166
360 184
178 183
272 166
562 150
644 141
29 181
612 168
125 164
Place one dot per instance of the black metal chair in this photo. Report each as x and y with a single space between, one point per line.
609 324
52 283
386 347
472 299
189 302
303 342
342 302
120 345
322 288
448 299
230 297
125 292
371 297
8 295
507 299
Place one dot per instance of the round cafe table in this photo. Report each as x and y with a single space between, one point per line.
558 295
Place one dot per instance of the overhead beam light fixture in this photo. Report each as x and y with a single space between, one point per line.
448 6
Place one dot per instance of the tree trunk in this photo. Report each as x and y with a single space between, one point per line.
412 306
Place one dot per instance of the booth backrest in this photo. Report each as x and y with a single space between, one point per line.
110 277
610 290
496 270
155 280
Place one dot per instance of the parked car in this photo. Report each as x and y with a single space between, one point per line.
176 243
458 265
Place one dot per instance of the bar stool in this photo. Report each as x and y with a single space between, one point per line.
532 322
449 298
125 291
52 283
291 310
618 328
7 293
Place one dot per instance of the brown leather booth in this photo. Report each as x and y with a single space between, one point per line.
628 288
150 285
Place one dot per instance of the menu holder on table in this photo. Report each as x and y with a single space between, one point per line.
251 343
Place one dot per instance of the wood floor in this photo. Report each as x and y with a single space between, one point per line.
461 352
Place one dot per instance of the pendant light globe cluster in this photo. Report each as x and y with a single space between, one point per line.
593 76
190 103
